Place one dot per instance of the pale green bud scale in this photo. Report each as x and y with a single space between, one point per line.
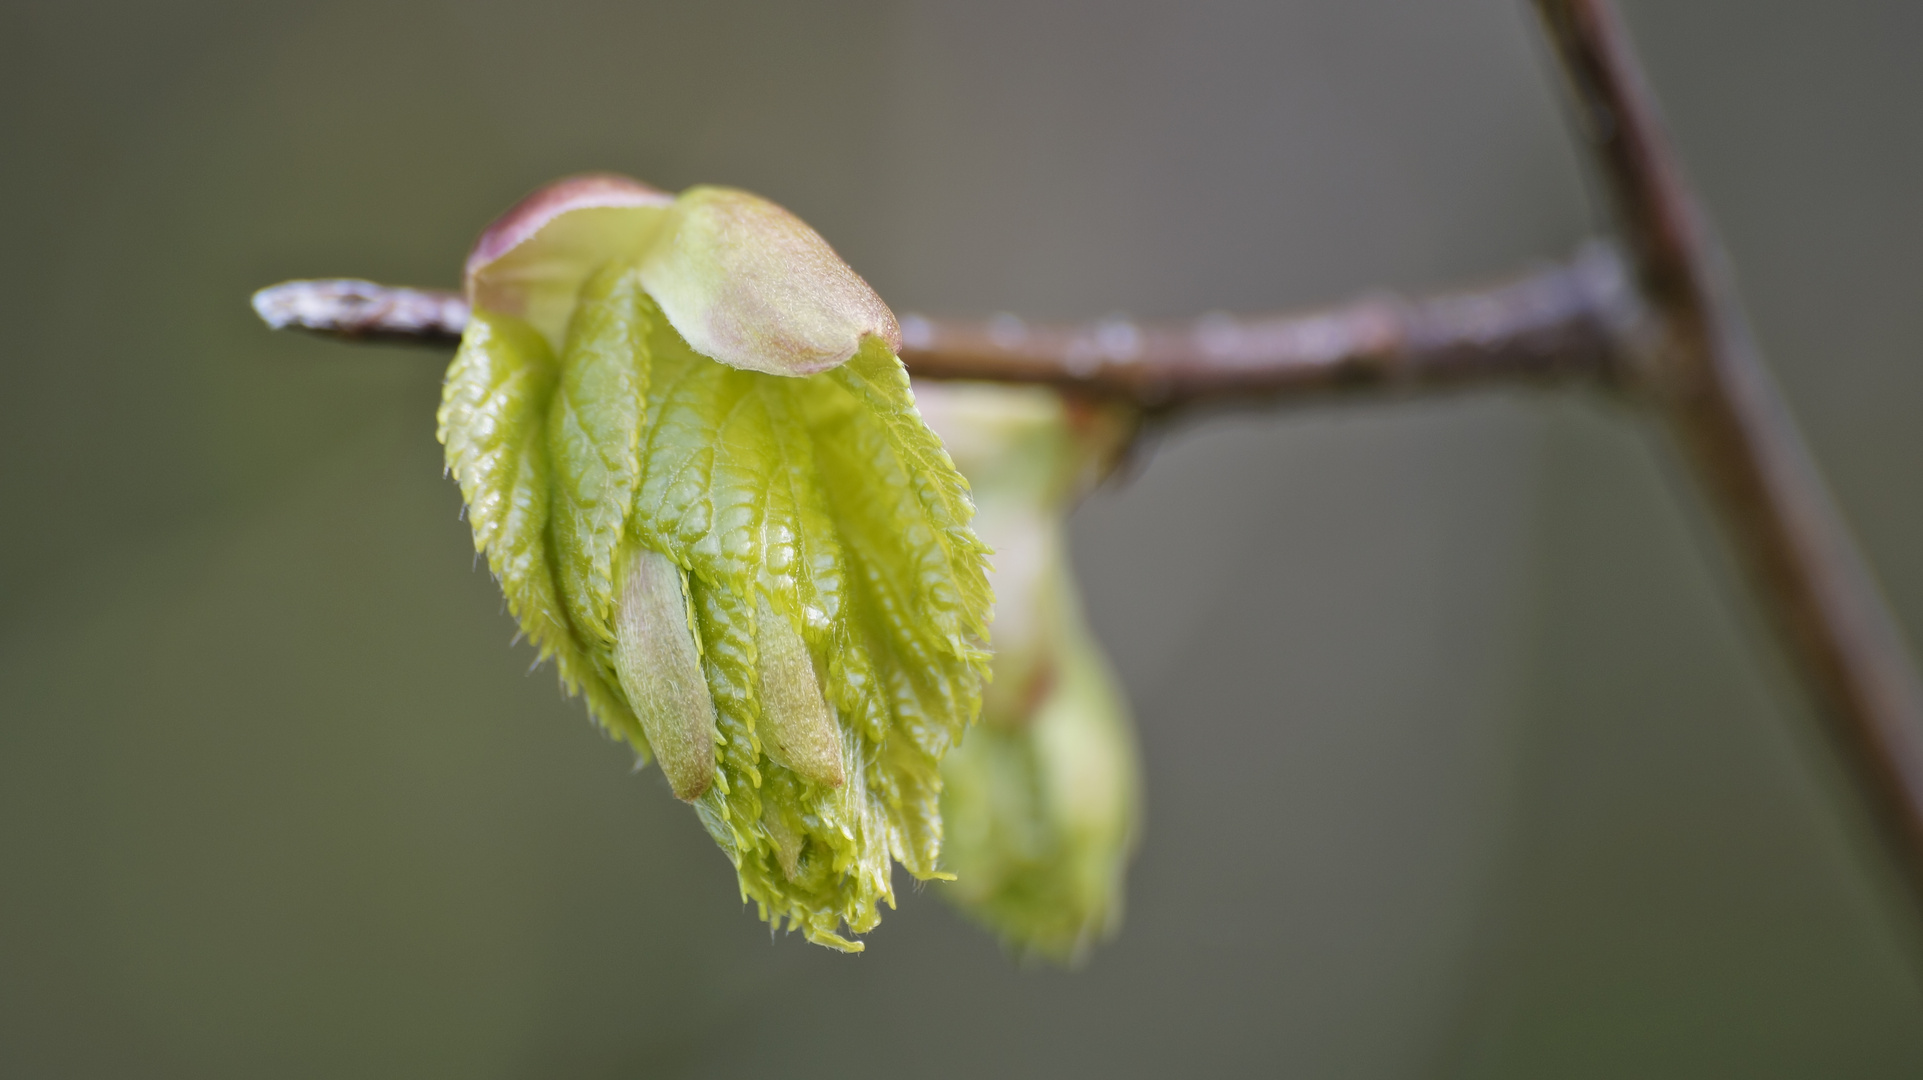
658 662
799 732
532 261
748 284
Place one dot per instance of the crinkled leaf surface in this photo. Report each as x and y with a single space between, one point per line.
822 501
493 423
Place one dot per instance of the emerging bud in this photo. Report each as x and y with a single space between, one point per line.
798 729
749 284
1042 819
1041 800
678 422
659 665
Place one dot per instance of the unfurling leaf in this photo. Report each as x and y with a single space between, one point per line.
695 465
1041 801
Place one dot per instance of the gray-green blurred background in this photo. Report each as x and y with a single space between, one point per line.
1465 756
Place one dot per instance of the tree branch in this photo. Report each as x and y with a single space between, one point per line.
1708 381
1566 322
1666 327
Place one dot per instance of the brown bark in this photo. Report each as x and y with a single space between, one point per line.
1705 377
1561 323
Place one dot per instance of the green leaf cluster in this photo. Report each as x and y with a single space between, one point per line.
830 639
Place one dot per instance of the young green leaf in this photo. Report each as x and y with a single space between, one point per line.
492 422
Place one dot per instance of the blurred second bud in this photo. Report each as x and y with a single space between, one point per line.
1042 800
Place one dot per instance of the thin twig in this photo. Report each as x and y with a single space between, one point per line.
1709 382
1561 323
1565 322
